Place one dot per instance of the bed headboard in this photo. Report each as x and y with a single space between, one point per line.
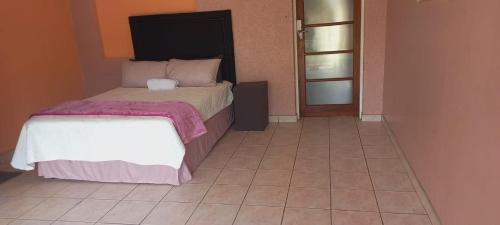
196 35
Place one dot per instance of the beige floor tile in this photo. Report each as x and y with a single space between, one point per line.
277 163
272 178
391 182
256 151
385 166
216 161
213 214
399 202
342 164
46 189
5 221
89 210
257 139
285 138
187 193
170 213
51 209
13 207
243 162
320 179
301 216
113 191
314 140
308 198
313 152
282 151
205 176
236 176
355 218
347 154
312 165
405 219
232 138
128 212
380 152
71 223
266 196
352 148
259 215
225 194
376 140
148 192
16 187
346 180
78 189
224 149
357 200
30 222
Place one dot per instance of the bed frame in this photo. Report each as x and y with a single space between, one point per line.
198 35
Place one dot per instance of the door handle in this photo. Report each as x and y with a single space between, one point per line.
301 33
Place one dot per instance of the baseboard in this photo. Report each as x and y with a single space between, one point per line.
413 178
371 118
283 119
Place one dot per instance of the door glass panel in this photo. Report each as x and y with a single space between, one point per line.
329 66
328 11
329 92
329 38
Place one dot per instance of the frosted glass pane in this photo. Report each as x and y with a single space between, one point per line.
328 11
329 66
329 38
329 92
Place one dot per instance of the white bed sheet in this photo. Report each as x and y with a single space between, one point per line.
138 140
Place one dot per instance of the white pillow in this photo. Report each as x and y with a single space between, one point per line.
137 73
194 73
162 84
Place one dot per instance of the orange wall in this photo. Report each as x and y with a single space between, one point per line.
113 20
442 100
38 62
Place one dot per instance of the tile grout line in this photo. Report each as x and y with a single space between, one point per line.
293 171
255 174
330 146
215 180
369 172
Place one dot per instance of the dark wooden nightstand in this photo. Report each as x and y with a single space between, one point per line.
251 106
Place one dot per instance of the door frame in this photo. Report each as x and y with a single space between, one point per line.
361 36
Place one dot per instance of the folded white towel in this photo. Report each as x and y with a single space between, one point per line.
162 84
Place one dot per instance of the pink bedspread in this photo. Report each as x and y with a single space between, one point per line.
184 116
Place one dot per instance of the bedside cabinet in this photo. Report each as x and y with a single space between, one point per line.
251 107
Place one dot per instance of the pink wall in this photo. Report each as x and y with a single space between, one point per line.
263 36
441 98
100 73
374 56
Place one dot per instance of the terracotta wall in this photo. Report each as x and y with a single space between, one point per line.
441 99
113 20
39 63
374 56
100 73
263 36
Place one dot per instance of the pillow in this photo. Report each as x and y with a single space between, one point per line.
162 84
137 73
194 73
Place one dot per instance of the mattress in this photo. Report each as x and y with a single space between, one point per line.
207 100
87 138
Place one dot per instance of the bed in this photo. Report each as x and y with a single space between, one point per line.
141 149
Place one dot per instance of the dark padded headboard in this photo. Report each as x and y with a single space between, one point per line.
197 35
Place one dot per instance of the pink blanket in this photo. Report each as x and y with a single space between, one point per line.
184 116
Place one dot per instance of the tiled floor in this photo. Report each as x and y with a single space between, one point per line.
318 171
